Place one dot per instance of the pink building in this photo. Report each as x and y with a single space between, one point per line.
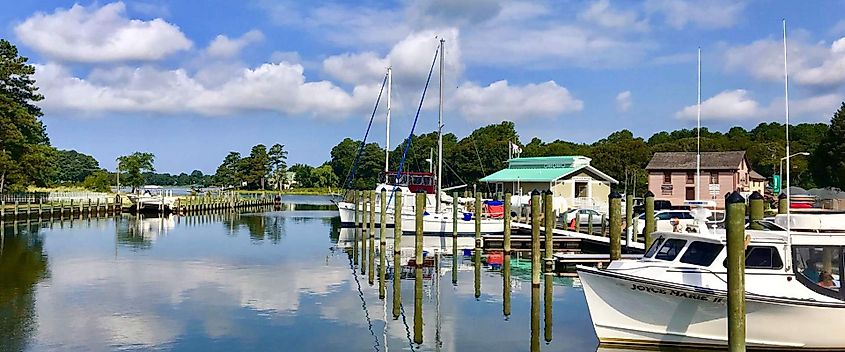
671 176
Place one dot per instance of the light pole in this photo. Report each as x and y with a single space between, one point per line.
780 167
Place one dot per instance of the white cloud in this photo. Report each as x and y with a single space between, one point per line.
280 87
729 104
500 101
703 14
623 101
815 64
105 34
601 13
354 68
224 47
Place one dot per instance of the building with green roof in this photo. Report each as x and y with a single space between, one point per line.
573 181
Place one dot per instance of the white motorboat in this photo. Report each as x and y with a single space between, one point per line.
677 293
153 198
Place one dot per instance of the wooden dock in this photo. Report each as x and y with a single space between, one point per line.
522 243
602 240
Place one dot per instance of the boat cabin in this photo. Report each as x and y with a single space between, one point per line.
415 181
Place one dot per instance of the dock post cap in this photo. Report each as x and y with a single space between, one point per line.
535 192
614 195
548 192
420 191
648 194
734 198
782 195
755 196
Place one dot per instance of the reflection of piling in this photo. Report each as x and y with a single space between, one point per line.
535 318
755 213
735 233
535 238
549 220
507 223
783 203
548 293
397 285
418 313
382 243
454 261
615 225
650 226
418 239
355 199
371 233
478 219
363 236
476 258
506 285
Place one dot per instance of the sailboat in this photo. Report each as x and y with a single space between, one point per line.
677 293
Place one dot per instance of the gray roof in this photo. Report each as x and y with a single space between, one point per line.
686 160
754 175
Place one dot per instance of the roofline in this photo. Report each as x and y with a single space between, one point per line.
590 168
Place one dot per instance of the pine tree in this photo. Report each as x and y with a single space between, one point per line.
828 161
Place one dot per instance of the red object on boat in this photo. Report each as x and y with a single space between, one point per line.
800 205
495 258
495 211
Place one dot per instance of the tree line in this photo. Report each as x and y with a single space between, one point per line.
621 155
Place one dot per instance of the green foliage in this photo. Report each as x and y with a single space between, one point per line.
132 166
302 175
228 173
165 179
369 167
828 162
25 155
256 167
73 166
98 181
323 177
278 163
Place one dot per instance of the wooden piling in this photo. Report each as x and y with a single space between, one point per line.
578 221
590 223
477 216
535 238
371 233
735 233
755 214
397 222
419 208
535 318
507 224
382 243
454 215
604 225
418 298
615 201
783 203
549 226
650 225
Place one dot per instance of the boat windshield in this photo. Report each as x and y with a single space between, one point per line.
654 246
670 249
820 268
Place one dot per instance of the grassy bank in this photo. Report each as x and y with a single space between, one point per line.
292 191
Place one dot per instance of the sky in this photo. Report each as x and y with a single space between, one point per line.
191 80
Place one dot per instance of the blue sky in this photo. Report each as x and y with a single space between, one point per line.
191 80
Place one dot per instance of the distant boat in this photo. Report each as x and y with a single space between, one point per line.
153 198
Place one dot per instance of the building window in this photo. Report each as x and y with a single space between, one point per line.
667 177
714 178
690 177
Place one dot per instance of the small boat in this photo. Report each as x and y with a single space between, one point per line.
152 198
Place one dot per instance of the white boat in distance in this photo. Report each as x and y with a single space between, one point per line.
152 198
677 293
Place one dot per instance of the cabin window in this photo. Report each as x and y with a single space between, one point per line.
819 268
701 253
667 177
761 257
654 246
670 249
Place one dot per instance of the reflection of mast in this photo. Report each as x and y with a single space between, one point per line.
438 343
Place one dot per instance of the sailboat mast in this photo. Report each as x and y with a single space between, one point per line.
440 133
698 134
786 111
387 138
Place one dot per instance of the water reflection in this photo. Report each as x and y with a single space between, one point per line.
23 264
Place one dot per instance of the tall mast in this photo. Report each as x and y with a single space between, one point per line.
698 135
786 111
387 139
440 133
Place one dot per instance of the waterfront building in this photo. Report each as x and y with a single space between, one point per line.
671 176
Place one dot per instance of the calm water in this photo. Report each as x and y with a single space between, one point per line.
277 280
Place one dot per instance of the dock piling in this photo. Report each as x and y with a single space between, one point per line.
615 200
783 203
382 243
455 214
629 215
371 233
755 214
548 236
535 238
477 219
650 225
506 245
735 233
355 199
419 207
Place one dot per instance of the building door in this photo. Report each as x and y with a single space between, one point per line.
690 195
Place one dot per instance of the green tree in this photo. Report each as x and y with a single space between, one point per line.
256 167
98 181
302 175
25 155
278 163
131 168
73 166
369 166
323 177
829 157
228 173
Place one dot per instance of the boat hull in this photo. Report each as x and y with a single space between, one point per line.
633 311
